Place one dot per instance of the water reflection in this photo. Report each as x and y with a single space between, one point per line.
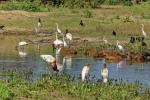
68 62
22 53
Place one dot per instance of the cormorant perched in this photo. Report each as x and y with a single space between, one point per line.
114 33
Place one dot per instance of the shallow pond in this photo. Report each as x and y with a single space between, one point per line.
29 59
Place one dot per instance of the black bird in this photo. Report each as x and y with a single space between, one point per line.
114 33
66 31
142 38
2 26
40 20
143 44
132 39
81 23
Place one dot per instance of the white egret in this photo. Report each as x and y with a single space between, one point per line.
85 71
69 36
120 46
104 73
58 30
143 32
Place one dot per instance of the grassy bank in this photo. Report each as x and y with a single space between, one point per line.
64 87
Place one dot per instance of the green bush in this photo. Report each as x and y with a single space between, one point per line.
21 6
5 93
127 3
112 2
87 13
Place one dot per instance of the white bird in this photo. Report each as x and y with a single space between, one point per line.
57 41
104 73
85 71
53 62
105 41
22 54
69 36
120 46
39 25
58 30
143 32
48 58
22 43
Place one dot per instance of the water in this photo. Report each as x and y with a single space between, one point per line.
29 59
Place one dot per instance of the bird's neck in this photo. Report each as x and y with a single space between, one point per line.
56 36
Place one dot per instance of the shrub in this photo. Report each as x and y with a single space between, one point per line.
87 13
127 3
112 2
5 93
21 6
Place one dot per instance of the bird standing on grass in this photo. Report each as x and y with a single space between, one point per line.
85 71
68 35
143 32
58 30
39 25
81 23
104 73
114 33
120 47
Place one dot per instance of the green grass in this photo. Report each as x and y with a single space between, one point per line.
64 86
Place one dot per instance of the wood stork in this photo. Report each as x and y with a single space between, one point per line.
58 30
104 73
143 32
85 71
68 35
120 46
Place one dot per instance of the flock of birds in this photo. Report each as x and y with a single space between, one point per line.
132 39
57 44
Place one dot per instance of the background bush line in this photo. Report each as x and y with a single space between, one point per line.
44 5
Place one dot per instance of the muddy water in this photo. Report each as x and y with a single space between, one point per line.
29 59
